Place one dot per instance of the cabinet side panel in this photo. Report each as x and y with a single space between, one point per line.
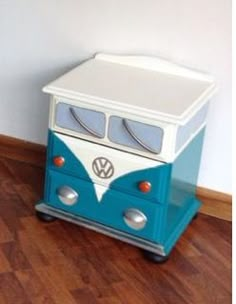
185 132
183 182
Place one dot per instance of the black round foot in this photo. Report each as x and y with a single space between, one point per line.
195 216
45 217
154 257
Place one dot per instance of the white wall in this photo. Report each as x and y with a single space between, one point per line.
42 39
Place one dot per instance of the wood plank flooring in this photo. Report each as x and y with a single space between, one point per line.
65 264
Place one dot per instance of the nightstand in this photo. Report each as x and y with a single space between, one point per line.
124 148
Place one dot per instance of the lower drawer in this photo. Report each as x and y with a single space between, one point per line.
115 209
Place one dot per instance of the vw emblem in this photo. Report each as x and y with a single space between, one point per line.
102 167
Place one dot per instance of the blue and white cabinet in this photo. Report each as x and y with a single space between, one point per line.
124 147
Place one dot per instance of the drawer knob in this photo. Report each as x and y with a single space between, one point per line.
135 219
144 186
67 195
58 161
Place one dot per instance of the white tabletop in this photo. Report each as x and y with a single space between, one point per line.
144 83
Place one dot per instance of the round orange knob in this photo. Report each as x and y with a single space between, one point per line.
58 161
144 186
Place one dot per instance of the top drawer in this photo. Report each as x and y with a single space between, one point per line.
130 133
121 131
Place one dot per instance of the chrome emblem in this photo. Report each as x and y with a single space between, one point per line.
102 167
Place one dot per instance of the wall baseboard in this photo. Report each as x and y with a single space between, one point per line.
21 150
215 203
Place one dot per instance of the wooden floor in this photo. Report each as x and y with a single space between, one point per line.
63 263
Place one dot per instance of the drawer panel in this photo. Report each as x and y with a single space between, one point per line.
115 209
135 134
109 167
81 120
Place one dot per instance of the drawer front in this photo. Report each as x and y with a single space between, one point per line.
81 120
135 134
109 167
117 210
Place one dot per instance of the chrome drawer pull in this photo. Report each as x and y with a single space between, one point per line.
83 125
135 137
67 195
135 219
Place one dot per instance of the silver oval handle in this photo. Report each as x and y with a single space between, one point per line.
83 125
135 219
67 195
135 137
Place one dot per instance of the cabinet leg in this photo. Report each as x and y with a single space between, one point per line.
45 217
154 257
195 216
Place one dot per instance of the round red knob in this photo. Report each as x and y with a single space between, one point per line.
58 161
144 186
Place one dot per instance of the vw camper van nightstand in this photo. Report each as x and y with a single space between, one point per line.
124 147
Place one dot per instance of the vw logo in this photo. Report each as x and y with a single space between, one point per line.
102 167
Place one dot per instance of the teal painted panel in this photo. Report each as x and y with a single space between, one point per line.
109 211
157 176
181 225
184 175
72 165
